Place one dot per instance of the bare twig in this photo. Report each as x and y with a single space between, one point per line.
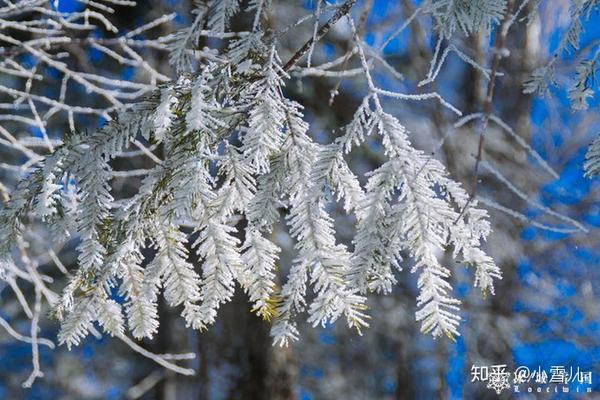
343 10
497 54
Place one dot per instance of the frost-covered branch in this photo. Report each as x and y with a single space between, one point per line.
227 155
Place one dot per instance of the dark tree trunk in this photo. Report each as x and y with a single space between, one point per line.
240 347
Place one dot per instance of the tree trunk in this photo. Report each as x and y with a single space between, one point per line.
238 360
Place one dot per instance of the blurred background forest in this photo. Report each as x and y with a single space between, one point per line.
546 310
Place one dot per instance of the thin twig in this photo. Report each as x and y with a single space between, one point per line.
35 353
343 10
155 357
498 53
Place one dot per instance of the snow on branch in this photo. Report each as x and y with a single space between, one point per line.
228 154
